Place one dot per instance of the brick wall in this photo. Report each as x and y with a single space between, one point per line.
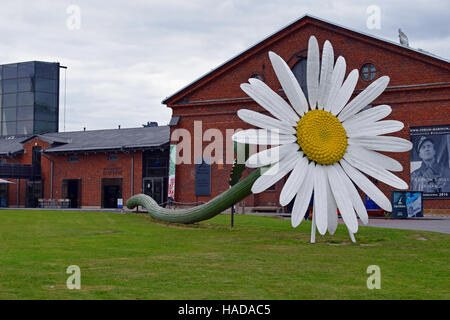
215 98
91 168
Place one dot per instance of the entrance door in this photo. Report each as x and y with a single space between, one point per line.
33 192
72 191
111 191
153 187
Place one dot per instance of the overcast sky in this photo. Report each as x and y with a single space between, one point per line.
127 56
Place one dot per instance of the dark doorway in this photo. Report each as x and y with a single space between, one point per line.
155 164
33 193
36 155
72 191
153 187
3 195
111 191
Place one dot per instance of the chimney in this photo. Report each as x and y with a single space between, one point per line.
150 124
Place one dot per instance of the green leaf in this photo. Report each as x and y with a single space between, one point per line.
242 154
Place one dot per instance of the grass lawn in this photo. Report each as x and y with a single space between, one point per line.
130 256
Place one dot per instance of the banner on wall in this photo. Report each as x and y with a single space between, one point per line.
406 204
430 161
172 160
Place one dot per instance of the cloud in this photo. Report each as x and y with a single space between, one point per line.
129 55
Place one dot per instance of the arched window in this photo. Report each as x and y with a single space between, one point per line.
368 72
299 70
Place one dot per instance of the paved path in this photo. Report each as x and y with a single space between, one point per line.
427 223
437 224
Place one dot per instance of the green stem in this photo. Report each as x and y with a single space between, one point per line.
206 211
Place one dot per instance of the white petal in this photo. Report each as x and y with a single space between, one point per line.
375 158
375 171
325 74
312 72
303 196
320 199
376 128
290 85
293 182
367 117
275 172
364 98
336 81
265 122
366 186
270 156
331 210
382 143
265 102
280 105
342 199
345 92
354 196
262 136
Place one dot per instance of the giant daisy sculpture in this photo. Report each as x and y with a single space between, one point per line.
326 143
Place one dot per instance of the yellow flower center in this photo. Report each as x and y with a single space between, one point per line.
322 137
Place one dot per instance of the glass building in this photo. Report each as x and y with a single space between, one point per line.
29 98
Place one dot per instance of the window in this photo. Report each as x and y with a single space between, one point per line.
47 70
299 71
45 113
9 71
24 127
113 157
26 69
46 85
9 114
9 86
45 126
9 128
72 159
25 99
368 72
46 99
25 84
24 113
9 100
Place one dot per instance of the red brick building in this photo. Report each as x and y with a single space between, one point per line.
90 169
418 92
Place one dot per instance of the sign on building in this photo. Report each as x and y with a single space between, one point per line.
430 161
203 179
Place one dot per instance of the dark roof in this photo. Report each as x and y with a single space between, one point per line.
10 146
94 140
